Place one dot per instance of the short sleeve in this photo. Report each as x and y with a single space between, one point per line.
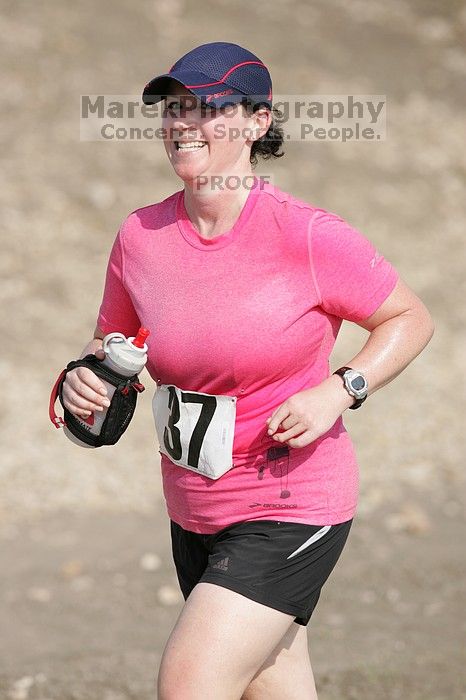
352 278
117 313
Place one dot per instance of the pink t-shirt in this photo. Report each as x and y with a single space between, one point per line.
252 313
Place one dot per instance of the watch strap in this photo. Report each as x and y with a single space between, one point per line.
342 370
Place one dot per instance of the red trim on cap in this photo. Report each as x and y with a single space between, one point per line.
219 82
245 63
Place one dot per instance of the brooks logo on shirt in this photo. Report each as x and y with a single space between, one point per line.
273 505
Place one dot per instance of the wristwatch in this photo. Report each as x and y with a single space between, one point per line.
355 384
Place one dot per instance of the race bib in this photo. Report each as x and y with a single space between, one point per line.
195 430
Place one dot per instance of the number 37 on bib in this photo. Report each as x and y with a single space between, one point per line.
195 430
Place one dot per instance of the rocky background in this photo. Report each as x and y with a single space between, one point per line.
89 593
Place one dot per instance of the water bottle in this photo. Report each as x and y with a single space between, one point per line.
127 356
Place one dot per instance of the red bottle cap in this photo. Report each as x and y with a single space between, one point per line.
141 337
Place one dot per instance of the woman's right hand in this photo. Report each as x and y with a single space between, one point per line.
82 391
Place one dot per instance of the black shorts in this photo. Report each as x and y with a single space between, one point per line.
280 564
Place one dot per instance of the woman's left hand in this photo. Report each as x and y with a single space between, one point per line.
309 413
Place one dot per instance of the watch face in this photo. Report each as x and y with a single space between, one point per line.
358 383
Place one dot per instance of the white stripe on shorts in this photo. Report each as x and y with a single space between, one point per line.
316 536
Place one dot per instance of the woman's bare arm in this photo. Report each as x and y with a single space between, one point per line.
399 331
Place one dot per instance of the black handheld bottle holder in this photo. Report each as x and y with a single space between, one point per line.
119 413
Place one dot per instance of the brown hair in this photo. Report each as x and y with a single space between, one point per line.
271 142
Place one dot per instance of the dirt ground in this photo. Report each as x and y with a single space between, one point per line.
89 593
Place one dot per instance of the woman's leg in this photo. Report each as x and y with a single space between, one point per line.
287 672
219 642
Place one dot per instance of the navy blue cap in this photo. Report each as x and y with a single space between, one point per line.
218 73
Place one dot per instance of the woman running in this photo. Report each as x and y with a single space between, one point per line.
244 289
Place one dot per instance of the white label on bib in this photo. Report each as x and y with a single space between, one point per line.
195 430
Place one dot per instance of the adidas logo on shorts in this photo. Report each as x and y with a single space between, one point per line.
222 564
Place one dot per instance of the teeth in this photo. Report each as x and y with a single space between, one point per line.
190 145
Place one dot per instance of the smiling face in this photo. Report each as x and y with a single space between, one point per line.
209 141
